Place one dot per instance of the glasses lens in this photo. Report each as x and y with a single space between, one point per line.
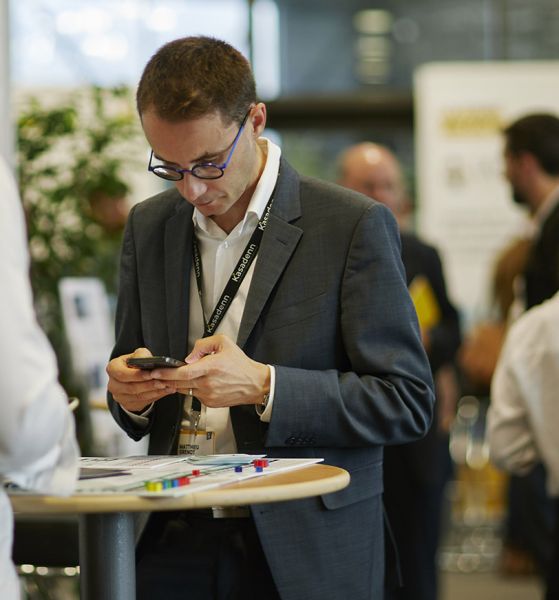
207 172
167 173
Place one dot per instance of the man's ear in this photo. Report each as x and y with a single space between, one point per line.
257 119
529 163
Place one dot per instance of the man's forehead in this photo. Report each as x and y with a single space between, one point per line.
373 156
183 142
213 118
378 169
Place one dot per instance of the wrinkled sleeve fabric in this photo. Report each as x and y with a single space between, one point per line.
511 441
128 329
38 449
524 413
384 396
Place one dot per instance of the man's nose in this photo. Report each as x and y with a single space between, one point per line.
191 188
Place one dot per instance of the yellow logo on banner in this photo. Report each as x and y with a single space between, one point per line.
471 121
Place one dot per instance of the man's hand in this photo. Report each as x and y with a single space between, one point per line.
133 388
219 374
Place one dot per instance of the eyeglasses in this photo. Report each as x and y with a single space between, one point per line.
201 170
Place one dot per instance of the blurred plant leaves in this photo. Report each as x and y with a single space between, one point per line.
72 156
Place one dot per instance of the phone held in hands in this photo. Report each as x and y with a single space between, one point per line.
147 363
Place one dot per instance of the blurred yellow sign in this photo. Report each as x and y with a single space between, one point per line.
425 302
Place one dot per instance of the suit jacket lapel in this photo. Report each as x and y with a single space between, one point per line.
278 244
178 262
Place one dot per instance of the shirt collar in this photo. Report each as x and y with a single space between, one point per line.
257 204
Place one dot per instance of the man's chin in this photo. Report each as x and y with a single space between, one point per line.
207 207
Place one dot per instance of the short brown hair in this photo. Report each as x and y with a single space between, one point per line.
536 134
195 76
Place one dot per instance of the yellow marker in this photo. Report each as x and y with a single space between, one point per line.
153 486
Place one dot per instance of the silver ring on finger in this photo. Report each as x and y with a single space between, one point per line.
190 391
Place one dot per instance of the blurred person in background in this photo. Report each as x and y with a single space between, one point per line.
526 274
532 169
480 350
531 157
38 449
523 417
415 473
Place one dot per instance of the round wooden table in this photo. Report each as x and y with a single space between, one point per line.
106 521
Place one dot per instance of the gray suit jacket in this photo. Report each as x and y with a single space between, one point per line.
329 308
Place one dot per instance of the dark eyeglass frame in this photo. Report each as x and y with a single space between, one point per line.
171 173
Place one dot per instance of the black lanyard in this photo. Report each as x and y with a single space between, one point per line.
237 276
232 286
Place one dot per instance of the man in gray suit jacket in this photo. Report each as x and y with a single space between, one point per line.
312 349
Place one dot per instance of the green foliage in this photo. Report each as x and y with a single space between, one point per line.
72 159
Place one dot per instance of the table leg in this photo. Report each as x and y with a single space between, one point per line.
107 556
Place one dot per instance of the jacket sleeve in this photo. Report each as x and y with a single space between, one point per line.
128 334
519 378
38 449
384 395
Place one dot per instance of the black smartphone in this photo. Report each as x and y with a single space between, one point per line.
154 362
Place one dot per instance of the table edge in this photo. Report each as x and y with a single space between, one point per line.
252 491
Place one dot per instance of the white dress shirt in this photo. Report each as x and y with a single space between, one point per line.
219 254
38 450
523 416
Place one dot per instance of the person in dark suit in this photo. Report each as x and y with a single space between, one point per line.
531 153
532 169
415 473
317 353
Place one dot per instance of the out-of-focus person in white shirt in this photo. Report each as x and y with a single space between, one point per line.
523 416
38 448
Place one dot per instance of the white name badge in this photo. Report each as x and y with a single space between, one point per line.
198 442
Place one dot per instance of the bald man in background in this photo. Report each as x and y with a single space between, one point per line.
374 171
414 474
